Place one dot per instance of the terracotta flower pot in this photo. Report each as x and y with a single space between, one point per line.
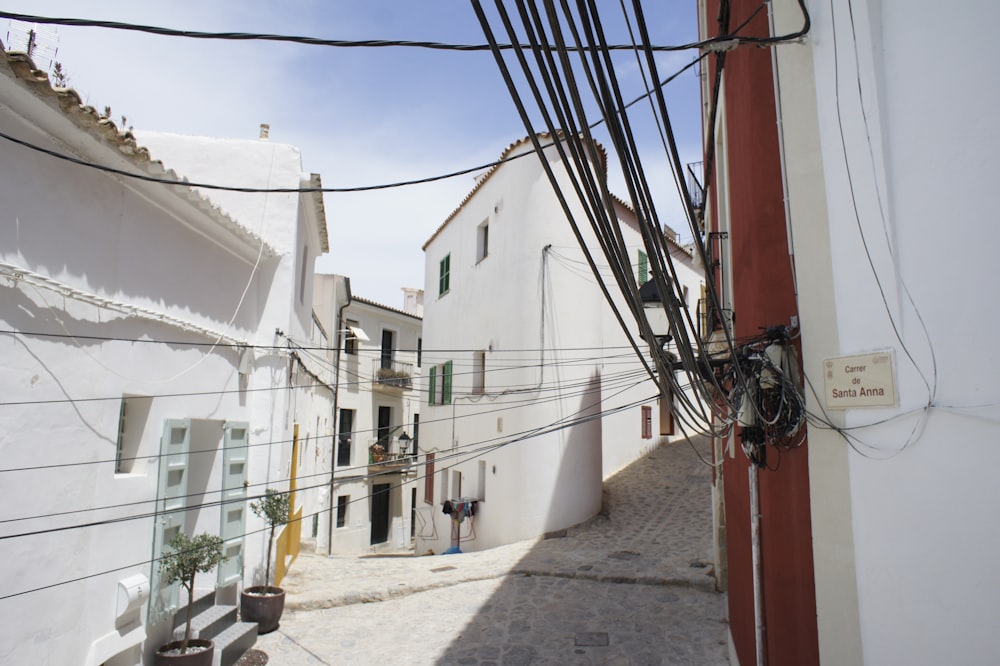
197 657
263 605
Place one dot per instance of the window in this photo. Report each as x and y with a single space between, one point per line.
131 422
429 480
440 384
304 274
483 241
420 350
479 373
344 439
481 485
342 501
643 268
647 422
444 276
351 338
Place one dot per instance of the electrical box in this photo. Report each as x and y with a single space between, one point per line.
132 592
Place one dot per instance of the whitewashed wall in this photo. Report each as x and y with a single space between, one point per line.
126 242
357 392
920 148
531 293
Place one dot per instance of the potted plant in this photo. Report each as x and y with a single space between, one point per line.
188 557
264 604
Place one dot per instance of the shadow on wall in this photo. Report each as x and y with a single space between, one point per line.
576 493
120 247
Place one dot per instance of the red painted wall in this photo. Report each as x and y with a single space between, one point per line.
763 296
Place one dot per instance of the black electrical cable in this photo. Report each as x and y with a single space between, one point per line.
286 190
311 41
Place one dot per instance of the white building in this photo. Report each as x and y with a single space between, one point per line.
145 390
532 394
378 417
873 150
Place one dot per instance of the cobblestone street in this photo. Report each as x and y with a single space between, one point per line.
632 586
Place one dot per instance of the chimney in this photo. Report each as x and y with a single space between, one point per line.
265 130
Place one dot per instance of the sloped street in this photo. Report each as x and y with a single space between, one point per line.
632 586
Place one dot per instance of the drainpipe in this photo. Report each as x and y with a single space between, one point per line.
336 394
758 595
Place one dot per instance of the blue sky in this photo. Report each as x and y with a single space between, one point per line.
360 116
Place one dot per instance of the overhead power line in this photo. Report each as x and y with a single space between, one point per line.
300 190
311 41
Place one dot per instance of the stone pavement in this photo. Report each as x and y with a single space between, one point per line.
631 586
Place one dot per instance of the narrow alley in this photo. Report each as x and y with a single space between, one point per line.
632 586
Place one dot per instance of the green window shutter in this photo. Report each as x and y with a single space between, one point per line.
430 397
446 383
444 279
643 268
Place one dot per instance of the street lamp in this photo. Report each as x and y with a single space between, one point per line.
404 444
655 310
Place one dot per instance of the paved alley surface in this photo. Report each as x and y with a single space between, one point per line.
633 586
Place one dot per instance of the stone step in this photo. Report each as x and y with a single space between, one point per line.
231 643
203 600
208 623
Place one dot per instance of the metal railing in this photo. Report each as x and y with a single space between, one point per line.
392 373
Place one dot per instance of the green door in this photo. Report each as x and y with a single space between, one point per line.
233 501
171 499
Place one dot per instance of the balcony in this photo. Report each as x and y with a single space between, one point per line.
392 375
386 456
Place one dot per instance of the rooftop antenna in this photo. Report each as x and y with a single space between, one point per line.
40 42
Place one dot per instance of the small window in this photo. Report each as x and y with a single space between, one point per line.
481 486
342 501
479 373
429 480
483 241
351 338
444 276
643 268
132 416
686 299
647 422
304 274
420 350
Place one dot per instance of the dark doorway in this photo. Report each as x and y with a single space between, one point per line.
344 438
415 444
387 348
384 430
380 513
413 511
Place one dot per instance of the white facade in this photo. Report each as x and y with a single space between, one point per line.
139 320
522 357
904 519
378 403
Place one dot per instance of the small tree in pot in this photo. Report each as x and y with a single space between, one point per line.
264 604
188 557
